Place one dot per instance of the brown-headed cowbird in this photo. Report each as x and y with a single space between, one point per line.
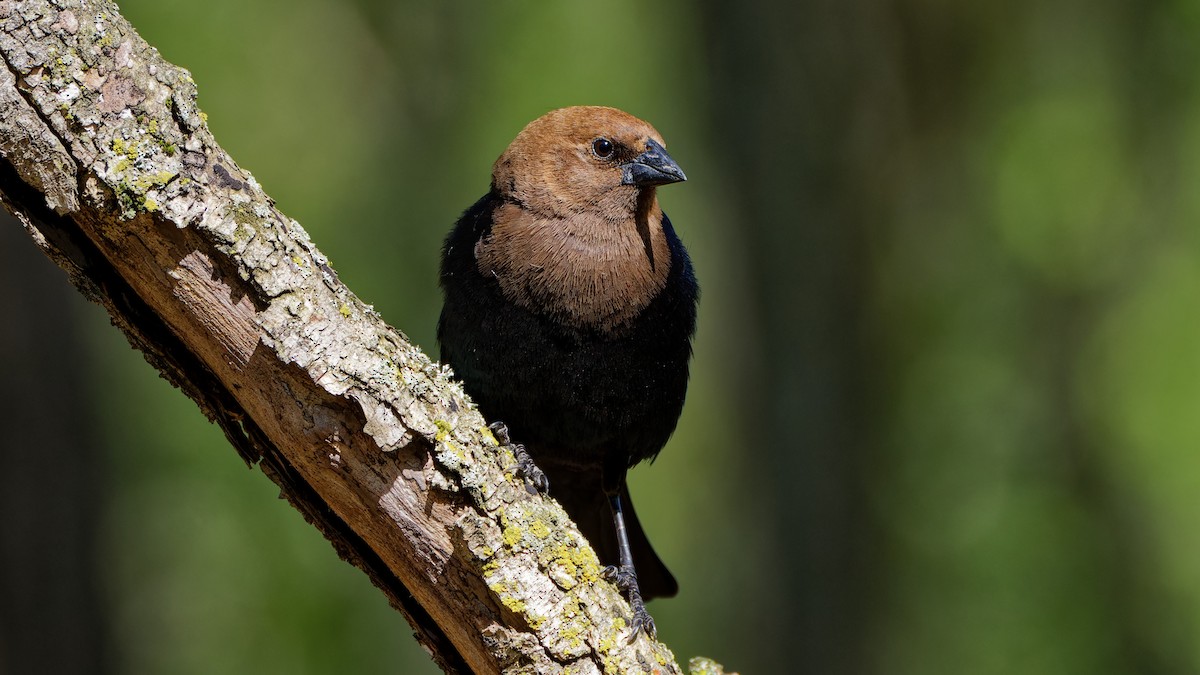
569 310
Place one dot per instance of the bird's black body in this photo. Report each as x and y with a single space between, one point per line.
587 403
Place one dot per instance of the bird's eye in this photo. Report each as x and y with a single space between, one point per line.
603 148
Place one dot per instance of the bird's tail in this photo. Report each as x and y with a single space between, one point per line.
583 500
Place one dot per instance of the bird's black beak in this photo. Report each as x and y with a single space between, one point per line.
652 167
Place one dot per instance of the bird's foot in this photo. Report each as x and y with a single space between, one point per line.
535 480
625 578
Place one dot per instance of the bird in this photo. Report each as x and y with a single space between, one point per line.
569 311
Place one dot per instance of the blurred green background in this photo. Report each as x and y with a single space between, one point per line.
945 408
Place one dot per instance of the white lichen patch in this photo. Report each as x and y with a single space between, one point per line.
69 93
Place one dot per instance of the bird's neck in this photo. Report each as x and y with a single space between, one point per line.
586 271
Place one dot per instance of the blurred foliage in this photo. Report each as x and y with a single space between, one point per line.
946 401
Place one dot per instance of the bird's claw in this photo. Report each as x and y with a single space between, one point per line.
625 578
534 477
641 622
535 480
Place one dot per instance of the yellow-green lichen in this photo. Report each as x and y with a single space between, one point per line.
131 194
449 453
572 633
507 455
512 535
539 529
516 605
561 555
606 643
344 310
152 180
243 232
243 214
511 601
575 561
131 189
459 455
488 437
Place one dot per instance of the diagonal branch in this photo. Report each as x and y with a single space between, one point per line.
111 167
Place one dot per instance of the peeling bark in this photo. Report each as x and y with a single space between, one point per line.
110 166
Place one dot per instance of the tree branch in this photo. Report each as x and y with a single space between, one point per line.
111 167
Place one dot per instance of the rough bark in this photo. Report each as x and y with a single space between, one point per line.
110 166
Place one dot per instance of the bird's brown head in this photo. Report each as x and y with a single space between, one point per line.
585 159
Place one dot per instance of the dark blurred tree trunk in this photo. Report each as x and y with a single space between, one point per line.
796 92
51 620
